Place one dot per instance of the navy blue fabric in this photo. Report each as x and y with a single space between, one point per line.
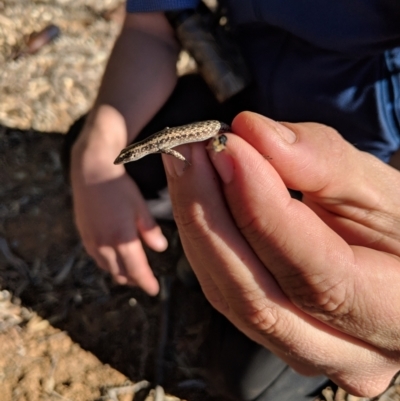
352 26
361 26
156 5
333 62
295 81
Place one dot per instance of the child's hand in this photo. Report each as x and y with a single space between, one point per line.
110 212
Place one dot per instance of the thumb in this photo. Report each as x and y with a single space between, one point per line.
309 157
352 191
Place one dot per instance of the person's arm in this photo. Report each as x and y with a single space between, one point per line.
141 72
139 78
109 210
314 281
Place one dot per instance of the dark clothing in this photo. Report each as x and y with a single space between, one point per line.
336 63
355 27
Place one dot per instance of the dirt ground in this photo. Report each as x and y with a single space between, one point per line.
66 331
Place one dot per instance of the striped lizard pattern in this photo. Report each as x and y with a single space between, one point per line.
163 141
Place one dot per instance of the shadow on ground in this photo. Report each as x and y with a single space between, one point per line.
42 263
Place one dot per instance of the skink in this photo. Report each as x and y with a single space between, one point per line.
163 141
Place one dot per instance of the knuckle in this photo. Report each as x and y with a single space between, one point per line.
99 254
259 317
322 297
362 386
337 146
194 222
257 233
265 322
104 252
133 275
249 225
123 250
217 301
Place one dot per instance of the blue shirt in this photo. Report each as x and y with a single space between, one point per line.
133 6
335 62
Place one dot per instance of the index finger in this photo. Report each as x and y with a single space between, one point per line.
242 288
315 267
337 180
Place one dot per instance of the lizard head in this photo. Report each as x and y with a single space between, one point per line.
128 155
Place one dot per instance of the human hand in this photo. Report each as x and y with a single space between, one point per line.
110 211
315 281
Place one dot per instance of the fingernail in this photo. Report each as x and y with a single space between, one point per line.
161 243
287 134
224 164
284 132
175 167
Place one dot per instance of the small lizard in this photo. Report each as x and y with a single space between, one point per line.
163 141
